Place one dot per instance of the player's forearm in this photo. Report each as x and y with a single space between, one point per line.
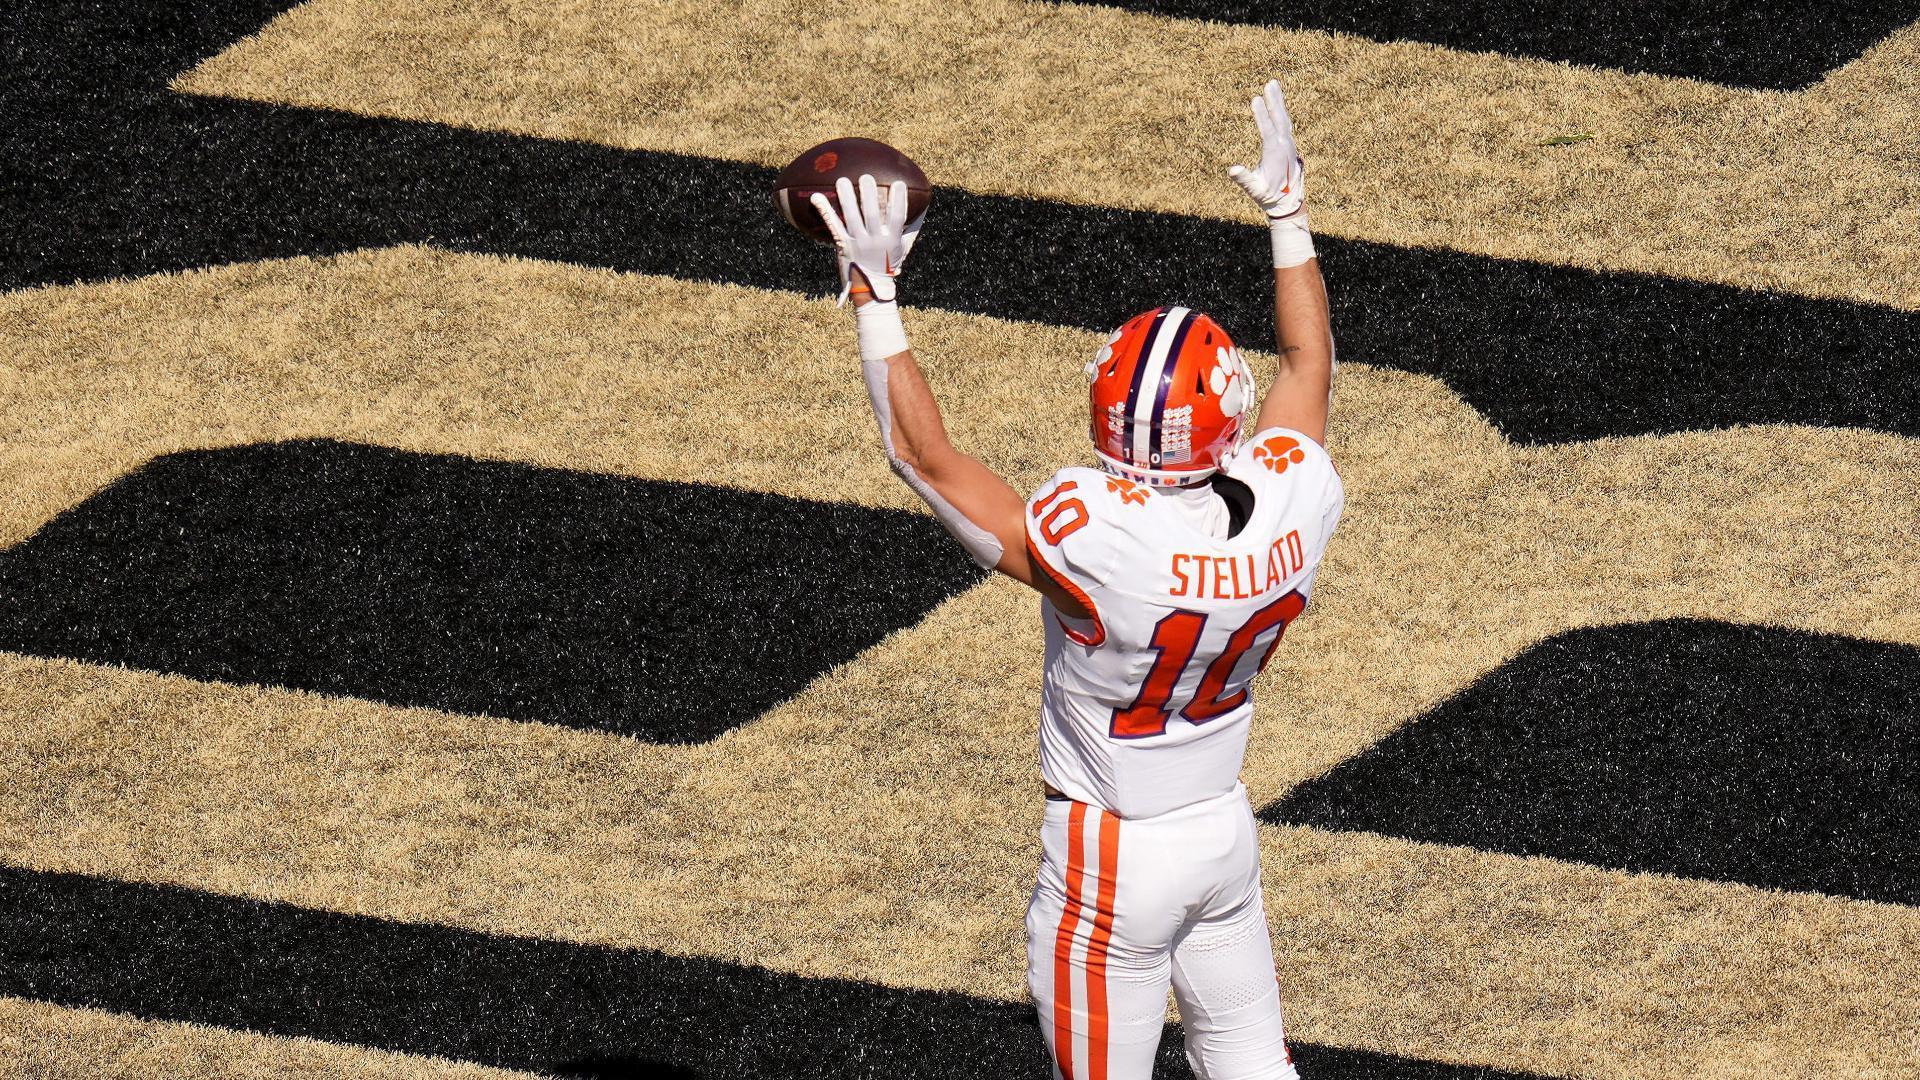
914 434
1302 329
1303 381
1301 391
975 505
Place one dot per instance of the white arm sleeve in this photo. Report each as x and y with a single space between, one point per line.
882 335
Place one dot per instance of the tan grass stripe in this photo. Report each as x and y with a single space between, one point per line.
1434 952
1814 192
39 1041
879 825
422 350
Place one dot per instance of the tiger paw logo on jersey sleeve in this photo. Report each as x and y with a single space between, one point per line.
1276 451
1131 494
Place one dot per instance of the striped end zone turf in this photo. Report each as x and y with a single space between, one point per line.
1407 144
528 593
872 807
554 1008
1543 552
882 826
1548 354
1737 44
45 1041
531 831
1651 747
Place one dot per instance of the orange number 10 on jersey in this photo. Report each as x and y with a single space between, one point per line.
1059 519
1175 638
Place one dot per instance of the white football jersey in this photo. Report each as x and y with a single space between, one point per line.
1147 705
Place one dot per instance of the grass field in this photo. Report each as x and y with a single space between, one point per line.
456 620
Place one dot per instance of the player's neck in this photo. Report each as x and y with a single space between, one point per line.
1200 506
1199 493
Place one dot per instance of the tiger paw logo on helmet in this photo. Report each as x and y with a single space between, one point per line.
1276 451
1230 379
1168 394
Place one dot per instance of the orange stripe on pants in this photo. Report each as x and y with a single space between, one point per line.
1107 873
1063 944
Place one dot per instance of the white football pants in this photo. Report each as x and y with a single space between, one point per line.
1125 908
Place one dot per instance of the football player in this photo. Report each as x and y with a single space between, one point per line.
1169 573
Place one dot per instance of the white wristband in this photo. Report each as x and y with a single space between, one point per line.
881 334
1292 242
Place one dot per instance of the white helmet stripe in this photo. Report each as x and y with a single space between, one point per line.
1164 335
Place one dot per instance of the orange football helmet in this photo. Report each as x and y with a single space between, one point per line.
1169 392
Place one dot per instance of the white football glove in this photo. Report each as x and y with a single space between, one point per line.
869 232
1279 184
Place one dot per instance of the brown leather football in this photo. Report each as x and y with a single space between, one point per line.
818 168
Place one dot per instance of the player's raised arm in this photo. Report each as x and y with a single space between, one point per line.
1302 389
979 508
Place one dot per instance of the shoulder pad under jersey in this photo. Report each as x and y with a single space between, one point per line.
1285 465
1072 532
1281 459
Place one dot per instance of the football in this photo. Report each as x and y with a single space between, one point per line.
818 168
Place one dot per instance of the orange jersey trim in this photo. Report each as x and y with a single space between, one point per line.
1099 634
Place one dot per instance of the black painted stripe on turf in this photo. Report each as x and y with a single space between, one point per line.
126 178
167 953
1771 757
670 612
1771 45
